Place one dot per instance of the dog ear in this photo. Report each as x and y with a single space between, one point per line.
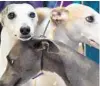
59 16
0 17
2 14
46 44
0 24
51 46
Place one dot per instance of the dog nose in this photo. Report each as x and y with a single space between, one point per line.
25 30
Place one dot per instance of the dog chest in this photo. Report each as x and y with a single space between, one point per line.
25 59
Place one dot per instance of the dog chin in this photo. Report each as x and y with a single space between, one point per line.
25 39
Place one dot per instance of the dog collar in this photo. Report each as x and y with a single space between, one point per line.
39 74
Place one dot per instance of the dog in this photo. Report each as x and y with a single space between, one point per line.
76 23
71 25
25 61
19 22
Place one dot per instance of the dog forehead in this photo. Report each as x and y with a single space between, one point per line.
78 11
22 8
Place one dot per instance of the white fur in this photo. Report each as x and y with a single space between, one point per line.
11 29
76 29
88 30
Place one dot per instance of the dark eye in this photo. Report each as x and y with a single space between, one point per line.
11 15
32 15
90 19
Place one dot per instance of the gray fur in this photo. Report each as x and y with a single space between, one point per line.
74 68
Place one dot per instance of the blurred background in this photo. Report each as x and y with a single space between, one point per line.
90 52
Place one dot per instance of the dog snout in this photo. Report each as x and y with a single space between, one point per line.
25 30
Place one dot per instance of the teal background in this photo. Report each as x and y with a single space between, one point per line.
92 52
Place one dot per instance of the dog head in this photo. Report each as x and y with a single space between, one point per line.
19 20
81 23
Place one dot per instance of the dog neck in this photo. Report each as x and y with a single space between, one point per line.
63 37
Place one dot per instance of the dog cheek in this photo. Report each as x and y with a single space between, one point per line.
15 30
32 30
33 27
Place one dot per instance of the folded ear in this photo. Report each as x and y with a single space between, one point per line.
0 17
46 44
50 46
0 24
59 16
2 13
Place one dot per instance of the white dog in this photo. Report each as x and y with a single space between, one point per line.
19 22
76 23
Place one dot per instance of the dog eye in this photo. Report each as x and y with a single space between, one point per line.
32 15
90 19
11 15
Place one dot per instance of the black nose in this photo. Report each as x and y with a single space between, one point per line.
25 30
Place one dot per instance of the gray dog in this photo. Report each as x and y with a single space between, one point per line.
27 58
